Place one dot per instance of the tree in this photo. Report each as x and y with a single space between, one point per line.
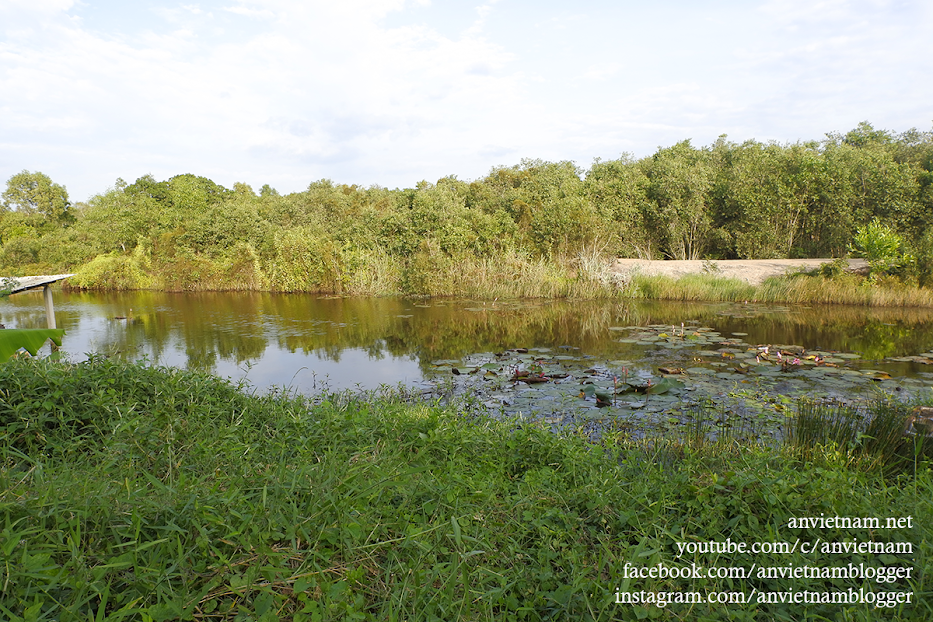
679 182
618 191
763 193
36 193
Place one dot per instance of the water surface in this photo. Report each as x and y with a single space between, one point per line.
305 342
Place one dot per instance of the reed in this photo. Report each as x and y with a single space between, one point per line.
868 437
513 275
798 289
692 287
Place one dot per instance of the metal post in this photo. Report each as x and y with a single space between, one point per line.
49 309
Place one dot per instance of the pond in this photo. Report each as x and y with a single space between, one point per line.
638 363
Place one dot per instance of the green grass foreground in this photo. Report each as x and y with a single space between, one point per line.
139 493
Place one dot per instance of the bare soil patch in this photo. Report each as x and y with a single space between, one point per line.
753 271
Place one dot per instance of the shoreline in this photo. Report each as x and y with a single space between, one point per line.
752 271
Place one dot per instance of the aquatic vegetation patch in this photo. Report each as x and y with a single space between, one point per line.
671 370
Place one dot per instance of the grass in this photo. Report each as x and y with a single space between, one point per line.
801 289
509 274
868 437
139 493
366 273
515 276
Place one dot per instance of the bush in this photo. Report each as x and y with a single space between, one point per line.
880 245
20 251
114 271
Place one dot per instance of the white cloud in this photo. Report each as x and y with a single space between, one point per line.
193 8
248 12
366 92
602 71
39 6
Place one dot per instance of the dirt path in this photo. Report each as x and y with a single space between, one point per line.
752 270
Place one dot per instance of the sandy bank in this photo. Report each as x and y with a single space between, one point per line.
753 271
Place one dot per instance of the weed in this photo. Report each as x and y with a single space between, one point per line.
133 492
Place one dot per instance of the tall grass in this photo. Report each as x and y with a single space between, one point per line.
516 276
868 437
323 268
129 492
799 289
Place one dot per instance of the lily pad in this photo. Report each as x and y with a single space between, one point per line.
665 385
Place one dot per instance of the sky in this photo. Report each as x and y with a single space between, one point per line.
392 92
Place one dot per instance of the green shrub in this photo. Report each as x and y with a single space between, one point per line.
114 271
880 245
20 251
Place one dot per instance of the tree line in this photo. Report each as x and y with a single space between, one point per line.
727 200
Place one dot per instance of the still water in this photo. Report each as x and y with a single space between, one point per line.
307 342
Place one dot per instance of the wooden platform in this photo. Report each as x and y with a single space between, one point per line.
23 283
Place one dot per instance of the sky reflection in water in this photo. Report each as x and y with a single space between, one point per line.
305 342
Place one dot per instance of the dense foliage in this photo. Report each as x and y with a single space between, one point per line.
727 200
137 493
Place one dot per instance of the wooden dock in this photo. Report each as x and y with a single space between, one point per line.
25 283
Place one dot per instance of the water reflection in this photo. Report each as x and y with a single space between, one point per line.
302 341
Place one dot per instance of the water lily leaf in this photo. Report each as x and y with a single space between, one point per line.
664 386
603 400
532 379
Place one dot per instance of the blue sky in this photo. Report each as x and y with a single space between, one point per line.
391 92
